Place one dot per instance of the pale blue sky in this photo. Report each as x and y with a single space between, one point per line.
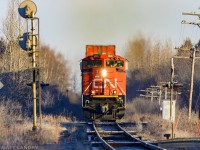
69 25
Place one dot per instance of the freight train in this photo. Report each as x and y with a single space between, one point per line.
103 83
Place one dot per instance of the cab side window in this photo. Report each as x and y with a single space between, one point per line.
114 63
92 63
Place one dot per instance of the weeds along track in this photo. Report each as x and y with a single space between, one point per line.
113 137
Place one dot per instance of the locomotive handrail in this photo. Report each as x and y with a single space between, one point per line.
87 87
120 89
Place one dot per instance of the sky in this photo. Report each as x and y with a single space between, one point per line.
68 25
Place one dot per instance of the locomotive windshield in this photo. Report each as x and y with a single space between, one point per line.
114 63
93 63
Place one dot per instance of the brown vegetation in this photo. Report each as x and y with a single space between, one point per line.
16 129
142 110
16 66
54 68
148 58
16 96
149 64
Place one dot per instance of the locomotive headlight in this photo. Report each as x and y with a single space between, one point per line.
104 73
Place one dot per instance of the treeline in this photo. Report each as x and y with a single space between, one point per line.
150 64
16 70
147 58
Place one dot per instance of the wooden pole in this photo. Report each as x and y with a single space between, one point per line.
171 87
191 84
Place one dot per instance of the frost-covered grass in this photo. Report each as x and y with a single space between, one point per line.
142 110
17 129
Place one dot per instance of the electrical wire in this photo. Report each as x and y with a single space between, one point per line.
192 33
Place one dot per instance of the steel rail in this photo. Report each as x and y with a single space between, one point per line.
143 143
109 144
110 132
105 144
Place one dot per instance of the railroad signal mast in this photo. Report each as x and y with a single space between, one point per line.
172 85
156 91
28 42
193 57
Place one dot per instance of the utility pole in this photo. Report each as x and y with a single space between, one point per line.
172 87
171 94
191 83
158 91
151 93
193 57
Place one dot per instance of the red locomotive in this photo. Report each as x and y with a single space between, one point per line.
103 83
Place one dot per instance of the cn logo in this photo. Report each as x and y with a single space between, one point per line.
96 83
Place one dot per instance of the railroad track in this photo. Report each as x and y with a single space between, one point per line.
112 136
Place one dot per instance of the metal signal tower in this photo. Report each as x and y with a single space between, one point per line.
28 42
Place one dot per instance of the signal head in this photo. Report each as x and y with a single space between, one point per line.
27 9
25 41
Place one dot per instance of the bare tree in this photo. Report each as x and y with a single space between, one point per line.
147 58
12 29
54 68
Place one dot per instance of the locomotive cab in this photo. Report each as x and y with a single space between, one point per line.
103 83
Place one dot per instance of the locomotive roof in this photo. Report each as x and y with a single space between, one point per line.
100 49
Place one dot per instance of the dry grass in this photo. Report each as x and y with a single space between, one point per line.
16 130
141 110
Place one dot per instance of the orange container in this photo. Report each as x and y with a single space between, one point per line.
99 49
